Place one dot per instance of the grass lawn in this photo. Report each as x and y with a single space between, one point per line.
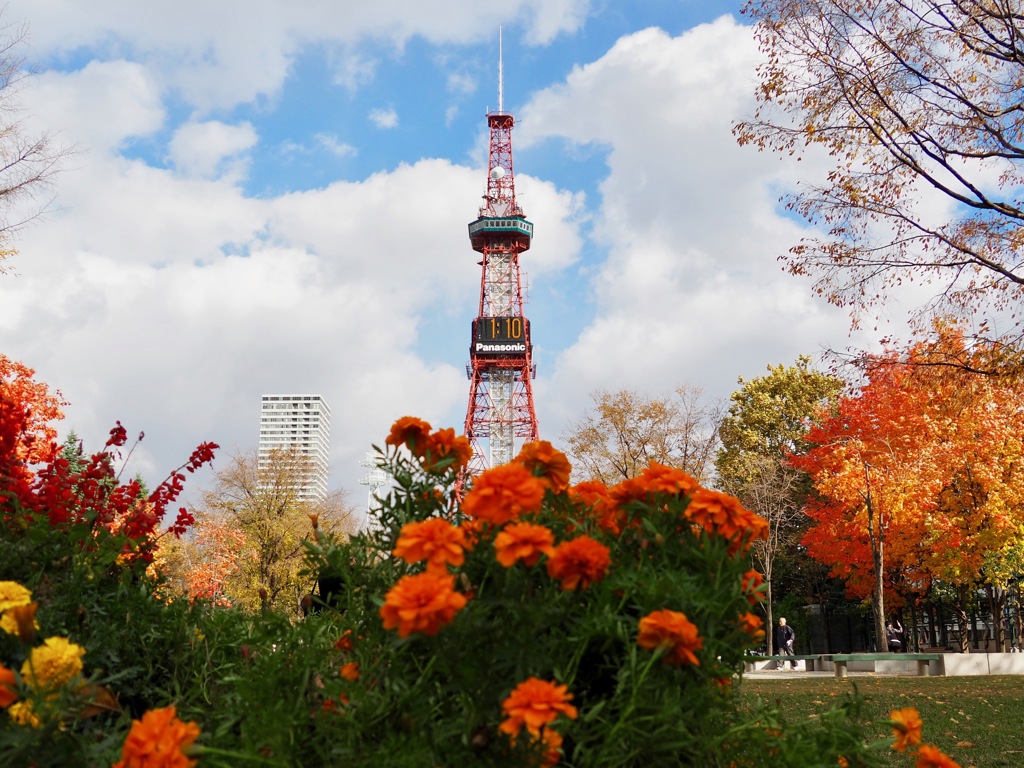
978 721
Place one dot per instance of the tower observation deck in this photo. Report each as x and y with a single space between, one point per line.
501 365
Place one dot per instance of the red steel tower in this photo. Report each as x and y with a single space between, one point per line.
501 365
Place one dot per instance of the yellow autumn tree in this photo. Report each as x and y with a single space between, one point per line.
247 547
627 430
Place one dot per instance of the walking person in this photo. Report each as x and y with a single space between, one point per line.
785 636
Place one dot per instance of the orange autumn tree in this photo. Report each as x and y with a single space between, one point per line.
974 537
30 438
874 477
918 477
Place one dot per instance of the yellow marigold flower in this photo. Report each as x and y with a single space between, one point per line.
579 562
12 594
7 684
671 630
159 740
350 671
23 714
410 432
932 757
54 663
502 493
535 703
523 541
435 540
906 727
443 445
550 465
423 602
723 514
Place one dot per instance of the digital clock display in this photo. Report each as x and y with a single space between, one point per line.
504 335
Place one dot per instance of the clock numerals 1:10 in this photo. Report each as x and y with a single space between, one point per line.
510 328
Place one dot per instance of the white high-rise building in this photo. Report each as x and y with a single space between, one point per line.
300 423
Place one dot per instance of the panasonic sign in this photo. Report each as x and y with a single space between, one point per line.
483 348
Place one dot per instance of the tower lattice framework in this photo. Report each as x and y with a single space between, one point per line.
501 367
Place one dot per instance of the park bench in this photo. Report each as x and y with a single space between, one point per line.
809 660
840 660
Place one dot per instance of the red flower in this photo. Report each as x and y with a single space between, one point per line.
579 562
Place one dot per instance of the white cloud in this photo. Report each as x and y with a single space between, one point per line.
384 118
216 55
334 145
691 290
211 149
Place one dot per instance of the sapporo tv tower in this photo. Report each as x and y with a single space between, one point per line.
501 356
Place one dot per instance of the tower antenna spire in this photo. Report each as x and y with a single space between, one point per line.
501 369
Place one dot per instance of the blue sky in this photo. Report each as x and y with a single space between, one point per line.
272 197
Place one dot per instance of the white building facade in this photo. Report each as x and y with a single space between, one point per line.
299 423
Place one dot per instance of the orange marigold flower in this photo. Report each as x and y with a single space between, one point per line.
671 630
7 683
535 703
158 740
410 432
752 624
444 449
423 602
350 671
723 514
523 541
906 727
751 582
593 495
668 480
502 493
550 465
932 757
579 562
552 741
843 762
344 642
472 530
435 540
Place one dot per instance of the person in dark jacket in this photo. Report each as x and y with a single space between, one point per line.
785 636
894 635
